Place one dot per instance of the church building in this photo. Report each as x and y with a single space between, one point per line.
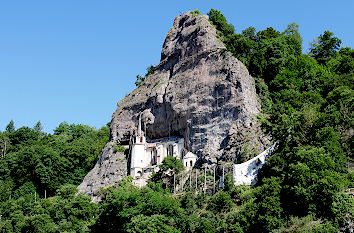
145 157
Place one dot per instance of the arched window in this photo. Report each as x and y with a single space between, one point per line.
186 164
154 157
170 150
138 173
191 162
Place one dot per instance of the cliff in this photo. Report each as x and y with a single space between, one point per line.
198 91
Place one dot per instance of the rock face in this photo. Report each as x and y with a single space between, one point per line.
109 170
198 91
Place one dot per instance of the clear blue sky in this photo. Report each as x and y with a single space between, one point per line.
73 60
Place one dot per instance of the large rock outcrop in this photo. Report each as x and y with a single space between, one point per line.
198 91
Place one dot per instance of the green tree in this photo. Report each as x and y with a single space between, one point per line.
153 224
220 22
268 34
343 62
250 33
292 30
172 163
10 127
324 47
63 127
38 127
220 202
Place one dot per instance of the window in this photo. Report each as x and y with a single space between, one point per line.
191 163
154 157
170 150
183 153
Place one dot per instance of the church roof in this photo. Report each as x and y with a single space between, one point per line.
166 139
189 155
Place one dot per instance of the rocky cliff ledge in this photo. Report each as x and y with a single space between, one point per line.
198 91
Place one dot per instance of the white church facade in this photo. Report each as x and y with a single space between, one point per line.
145 157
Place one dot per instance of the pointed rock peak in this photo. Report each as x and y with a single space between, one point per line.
190 35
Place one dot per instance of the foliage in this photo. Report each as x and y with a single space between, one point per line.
119 148
128 204
172 163
139 79
220 22
195 12
38 164
325 47
69 212
220 203
307 102
10 127
38 127
51 160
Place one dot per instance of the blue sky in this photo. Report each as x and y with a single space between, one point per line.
74 60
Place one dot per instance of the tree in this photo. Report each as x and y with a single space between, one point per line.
271 57
23 135
4 145
324 47
269 33
172 163
220 202
220 22
250 33
63 127
293 30
10 127
38 127
343 62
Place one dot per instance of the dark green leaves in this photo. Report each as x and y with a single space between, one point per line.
325 47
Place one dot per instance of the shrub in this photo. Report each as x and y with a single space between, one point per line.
220 203
195 13
119 148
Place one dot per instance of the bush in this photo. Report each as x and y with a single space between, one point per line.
220 203
195 13
119 148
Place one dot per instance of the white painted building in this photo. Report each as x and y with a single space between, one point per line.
146 156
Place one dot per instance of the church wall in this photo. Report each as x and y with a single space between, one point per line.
138 158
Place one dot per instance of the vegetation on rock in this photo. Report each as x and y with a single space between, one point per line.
139 79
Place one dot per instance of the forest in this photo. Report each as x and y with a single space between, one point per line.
307 103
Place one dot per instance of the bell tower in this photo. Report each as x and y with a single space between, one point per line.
138 152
